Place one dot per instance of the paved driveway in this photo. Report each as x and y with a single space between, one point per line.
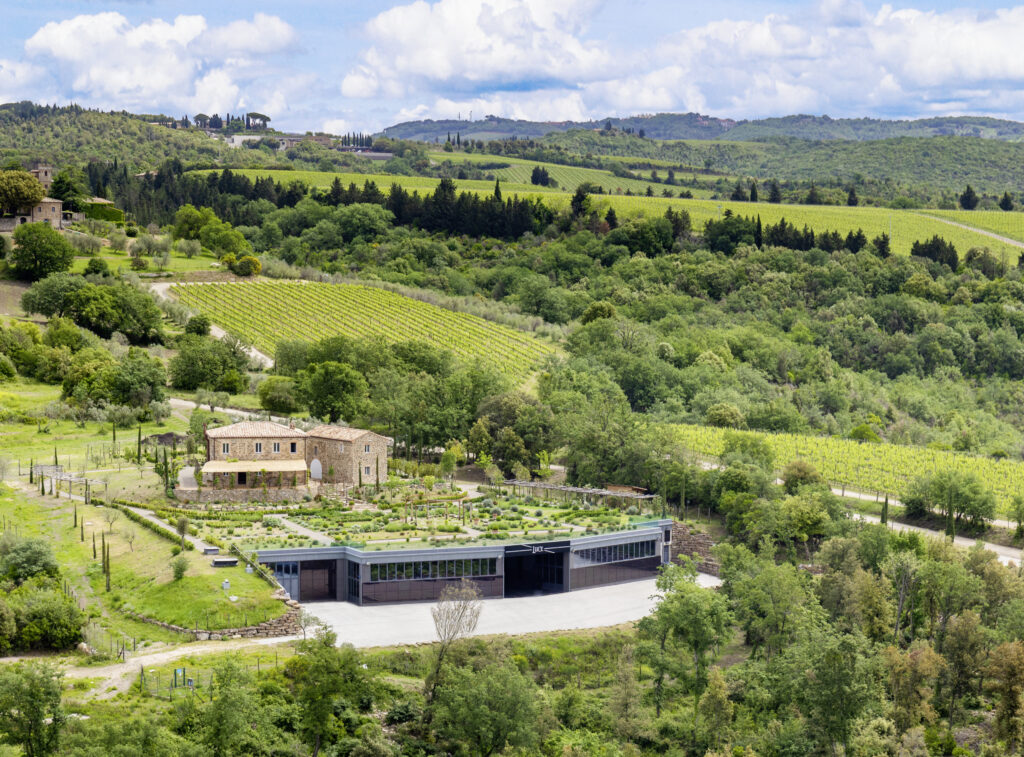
411 622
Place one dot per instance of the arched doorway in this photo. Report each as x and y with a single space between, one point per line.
316 471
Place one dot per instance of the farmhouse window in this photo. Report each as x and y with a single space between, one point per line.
316 450
366 448
259 447
366 471
341 447
277 446
293 447
225 448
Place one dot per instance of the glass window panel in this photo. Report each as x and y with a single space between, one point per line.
433 570
458 568
373 572
408 570
476 568
451 568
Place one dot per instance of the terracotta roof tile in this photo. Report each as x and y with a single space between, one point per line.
252 430
341 433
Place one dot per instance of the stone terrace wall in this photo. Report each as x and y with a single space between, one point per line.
690 543
285 625
208 495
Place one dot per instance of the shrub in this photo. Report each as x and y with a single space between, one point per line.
179 565
23 559
40 251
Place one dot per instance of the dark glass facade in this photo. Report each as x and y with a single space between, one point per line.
417 570
614 572
614 553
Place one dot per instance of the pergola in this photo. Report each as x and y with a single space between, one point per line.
58 475
583 491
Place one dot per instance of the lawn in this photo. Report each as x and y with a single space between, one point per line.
141 577
120 262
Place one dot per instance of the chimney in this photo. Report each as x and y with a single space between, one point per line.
291 423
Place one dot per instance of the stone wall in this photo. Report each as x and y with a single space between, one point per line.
346 458
285 625
206 495
245 448
690 543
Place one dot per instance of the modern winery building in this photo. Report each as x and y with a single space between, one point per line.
501 570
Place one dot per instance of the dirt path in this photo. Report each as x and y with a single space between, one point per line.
976 230
119 676
309 533
162 290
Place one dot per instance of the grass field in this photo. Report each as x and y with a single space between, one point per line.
903 226
120 262
885 468
568 177
267 312
141 576
74 444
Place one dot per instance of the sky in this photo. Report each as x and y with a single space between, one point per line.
361 65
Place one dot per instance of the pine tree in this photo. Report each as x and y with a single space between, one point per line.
611 219
969 199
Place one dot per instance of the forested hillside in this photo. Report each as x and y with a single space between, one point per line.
697 126
940 164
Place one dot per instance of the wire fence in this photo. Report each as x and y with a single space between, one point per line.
184 681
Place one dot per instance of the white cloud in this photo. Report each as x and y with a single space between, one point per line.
473 45
837 57
182 64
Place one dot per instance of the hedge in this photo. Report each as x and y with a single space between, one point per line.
159 530
104 212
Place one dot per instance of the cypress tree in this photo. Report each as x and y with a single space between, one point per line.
31 470
851 199
93 544
76 515
1006 203
103 551
82 535
885 510
753 191
758 233
774 192
611 219
139 448
55 457
497 190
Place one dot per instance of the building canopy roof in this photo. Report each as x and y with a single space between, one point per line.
251 466
253 430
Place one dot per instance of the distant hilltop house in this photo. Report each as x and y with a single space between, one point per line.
283 461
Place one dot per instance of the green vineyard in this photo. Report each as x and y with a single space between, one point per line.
885 468
266 312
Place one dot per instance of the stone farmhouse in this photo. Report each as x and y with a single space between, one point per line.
286 463
48 210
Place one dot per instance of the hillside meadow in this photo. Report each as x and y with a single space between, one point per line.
903 226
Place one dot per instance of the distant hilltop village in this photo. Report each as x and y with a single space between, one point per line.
238 131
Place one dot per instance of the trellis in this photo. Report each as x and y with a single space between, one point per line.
58 476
